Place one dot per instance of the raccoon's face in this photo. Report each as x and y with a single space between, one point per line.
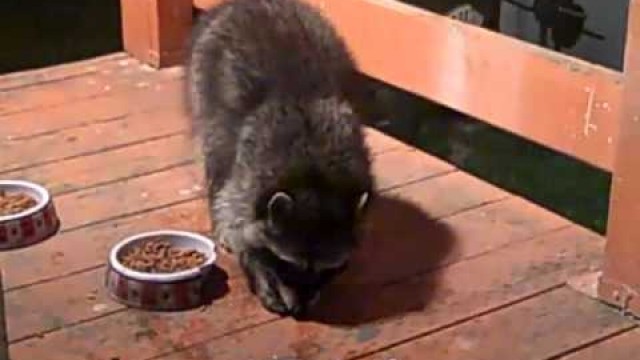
314 232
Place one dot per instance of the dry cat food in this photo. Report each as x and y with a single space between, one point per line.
159 256
13 203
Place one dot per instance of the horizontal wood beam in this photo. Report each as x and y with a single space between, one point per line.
558 101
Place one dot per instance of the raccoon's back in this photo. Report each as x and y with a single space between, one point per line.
244 49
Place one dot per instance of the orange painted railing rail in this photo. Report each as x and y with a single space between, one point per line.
572 106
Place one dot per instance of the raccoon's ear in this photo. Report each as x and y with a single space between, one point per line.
363 201
279 206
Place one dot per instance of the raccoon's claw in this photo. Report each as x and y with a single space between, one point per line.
278 298
274 296
274 304
224 245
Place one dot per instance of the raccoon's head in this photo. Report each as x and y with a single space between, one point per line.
313 234
311 230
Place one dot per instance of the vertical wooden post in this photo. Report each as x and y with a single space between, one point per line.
4 344
620 281
155 31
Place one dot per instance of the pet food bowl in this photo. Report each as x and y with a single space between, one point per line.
160 291
32 225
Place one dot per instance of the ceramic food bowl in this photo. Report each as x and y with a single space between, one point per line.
160 291
32 225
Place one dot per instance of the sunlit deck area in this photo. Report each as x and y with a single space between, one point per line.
451 266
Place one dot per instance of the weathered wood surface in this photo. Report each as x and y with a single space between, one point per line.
446 253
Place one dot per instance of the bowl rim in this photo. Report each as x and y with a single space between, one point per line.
163 277
43 201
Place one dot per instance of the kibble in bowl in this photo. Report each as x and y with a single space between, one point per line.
12 203
161 270
160 256
27 214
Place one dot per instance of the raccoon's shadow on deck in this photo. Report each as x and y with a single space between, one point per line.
393 272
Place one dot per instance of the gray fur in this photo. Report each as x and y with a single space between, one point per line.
273 94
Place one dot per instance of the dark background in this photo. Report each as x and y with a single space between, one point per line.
36 33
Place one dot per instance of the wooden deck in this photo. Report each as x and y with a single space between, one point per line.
453 267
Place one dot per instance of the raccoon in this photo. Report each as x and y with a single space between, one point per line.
273 93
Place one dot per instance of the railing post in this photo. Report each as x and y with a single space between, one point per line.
155 31
620 281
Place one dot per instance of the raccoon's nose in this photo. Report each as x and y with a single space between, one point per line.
305 264
299 312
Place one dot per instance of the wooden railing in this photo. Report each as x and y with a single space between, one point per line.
580 109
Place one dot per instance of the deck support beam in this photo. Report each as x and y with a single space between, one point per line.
155 31
620 282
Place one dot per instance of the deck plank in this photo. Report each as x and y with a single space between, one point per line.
54 257
456 296
77 251
84 112
51 150
379 143
112 201
540 328
417 264
622 347
44 145
120 78
445 253
32 77
141 194
368 262
481 188
398 168
135 334
447 195
409 309
122 163
76 174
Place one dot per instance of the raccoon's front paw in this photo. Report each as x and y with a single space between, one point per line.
274 301
224 246
223 243
274 295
